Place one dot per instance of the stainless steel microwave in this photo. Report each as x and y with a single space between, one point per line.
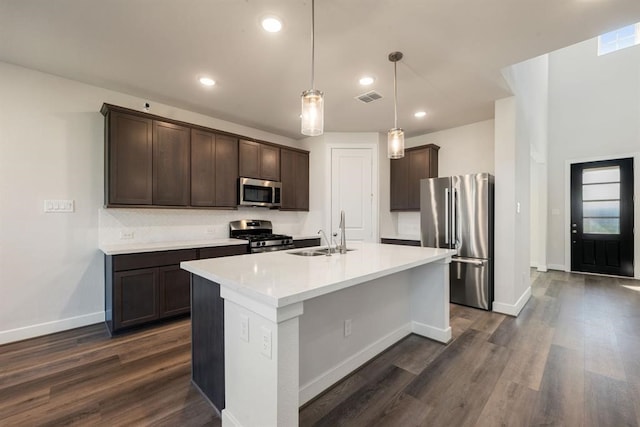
257 192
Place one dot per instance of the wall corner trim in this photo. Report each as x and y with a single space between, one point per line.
32 331
513 309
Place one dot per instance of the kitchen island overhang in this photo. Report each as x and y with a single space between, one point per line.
285 332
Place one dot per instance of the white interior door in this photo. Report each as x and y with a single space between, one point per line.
352 191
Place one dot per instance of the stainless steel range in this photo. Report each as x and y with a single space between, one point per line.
260 235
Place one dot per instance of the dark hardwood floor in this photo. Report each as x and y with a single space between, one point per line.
572 358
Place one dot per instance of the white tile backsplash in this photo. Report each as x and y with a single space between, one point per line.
409 223
167 225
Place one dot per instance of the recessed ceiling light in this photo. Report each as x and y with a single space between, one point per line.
366 80
271 24
206 81
420 114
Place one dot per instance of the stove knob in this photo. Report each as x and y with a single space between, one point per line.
264 243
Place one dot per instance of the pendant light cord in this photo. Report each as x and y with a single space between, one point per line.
313 53
395 95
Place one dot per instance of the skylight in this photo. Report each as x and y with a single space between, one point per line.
619 39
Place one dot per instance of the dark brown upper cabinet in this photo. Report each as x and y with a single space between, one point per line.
171 164
294 172
418 163
214 169
258 160
153 161
129 159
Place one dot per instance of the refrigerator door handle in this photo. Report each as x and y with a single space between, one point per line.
446 215
454 214
476 262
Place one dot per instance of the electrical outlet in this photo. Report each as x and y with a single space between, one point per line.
265 347
347 327
126 235
244 327
209 231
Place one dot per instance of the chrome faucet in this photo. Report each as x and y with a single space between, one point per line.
343 237
326 240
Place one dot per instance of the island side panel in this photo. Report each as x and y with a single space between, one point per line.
379 313
430 300
261 375
207 340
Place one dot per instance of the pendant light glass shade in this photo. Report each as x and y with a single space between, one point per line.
395 143
395 136
312 122
312 117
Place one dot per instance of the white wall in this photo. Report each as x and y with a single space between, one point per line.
529 81
464 149
594 112
51 147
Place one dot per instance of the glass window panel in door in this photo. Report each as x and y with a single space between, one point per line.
601 209
601 192
601 226
598 175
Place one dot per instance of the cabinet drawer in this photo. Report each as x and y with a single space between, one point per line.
152 259
220 251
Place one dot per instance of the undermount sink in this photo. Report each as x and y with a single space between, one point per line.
316 252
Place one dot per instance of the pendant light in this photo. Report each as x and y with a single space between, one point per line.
395 136
312 122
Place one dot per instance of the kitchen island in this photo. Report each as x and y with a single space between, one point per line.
294 325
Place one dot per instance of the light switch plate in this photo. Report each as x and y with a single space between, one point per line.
59 206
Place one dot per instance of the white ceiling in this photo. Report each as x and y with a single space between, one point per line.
156 49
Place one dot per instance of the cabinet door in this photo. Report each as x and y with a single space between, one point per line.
269 162
249 159
288 176
174 291
214 170
418 169
399 182
226 171
171 164
135 297
294 173
203 172
260 161
130 160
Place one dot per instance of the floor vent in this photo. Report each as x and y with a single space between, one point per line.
369 97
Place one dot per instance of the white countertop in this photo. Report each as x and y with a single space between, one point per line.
132 248
279 278
139 247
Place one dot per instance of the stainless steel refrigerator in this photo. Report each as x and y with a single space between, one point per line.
457 212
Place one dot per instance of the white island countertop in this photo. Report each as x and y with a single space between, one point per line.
278 279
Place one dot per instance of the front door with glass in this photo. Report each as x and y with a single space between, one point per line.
602 217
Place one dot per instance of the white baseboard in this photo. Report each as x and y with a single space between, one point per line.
513 309
229 420
558 267
436 334
542 268
40 329
335 374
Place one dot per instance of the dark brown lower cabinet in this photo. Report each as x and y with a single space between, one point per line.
135 296
403 242
307 243
173 291
147 287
